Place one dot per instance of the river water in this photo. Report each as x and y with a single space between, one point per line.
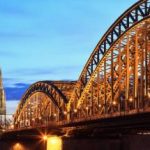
128 142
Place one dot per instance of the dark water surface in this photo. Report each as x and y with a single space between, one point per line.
132 142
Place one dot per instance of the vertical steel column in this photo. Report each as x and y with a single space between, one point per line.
105 96
92 101
146 64
119 73
30 114
112 80
127 73
86 104
141 101
50 112
59 103
136 71
98 89
23 119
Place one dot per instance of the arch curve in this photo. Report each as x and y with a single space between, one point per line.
53 89
46 87
132 16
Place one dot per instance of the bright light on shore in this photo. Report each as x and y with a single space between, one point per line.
130 99
45 137
54 143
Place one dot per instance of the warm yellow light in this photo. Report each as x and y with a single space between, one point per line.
99 105
86 108
54 143
3 130
12 126
148 94
44 137
130 99
18 146
65 112
139 74
114 102
75 110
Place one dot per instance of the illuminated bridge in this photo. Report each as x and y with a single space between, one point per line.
113 89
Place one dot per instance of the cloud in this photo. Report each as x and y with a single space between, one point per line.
15 89
16 92
11 82
44 71
29 76
21 85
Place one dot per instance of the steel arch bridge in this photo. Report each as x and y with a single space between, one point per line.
115 80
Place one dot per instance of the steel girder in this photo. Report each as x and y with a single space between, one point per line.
121 80
138 12
56 91
116 77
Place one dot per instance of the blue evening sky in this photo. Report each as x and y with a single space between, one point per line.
50 39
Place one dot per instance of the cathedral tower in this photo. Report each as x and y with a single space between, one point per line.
2 97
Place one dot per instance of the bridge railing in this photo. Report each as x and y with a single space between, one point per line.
79 120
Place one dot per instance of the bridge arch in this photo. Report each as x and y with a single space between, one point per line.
121 81
116 77
139 12
49 97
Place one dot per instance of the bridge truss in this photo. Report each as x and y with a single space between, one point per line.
115 80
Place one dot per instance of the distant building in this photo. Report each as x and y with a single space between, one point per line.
2 97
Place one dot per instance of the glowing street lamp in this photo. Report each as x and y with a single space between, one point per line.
114 103
130 99
75 110
65 113
12 126
45 137
99 105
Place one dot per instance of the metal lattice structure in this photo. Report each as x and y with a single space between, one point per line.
114 81
44 101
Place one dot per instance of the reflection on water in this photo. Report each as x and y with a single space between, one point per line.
18 146
49 143
54 143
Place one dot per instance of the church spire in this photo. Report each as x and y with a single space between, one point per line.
2 96
1 84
